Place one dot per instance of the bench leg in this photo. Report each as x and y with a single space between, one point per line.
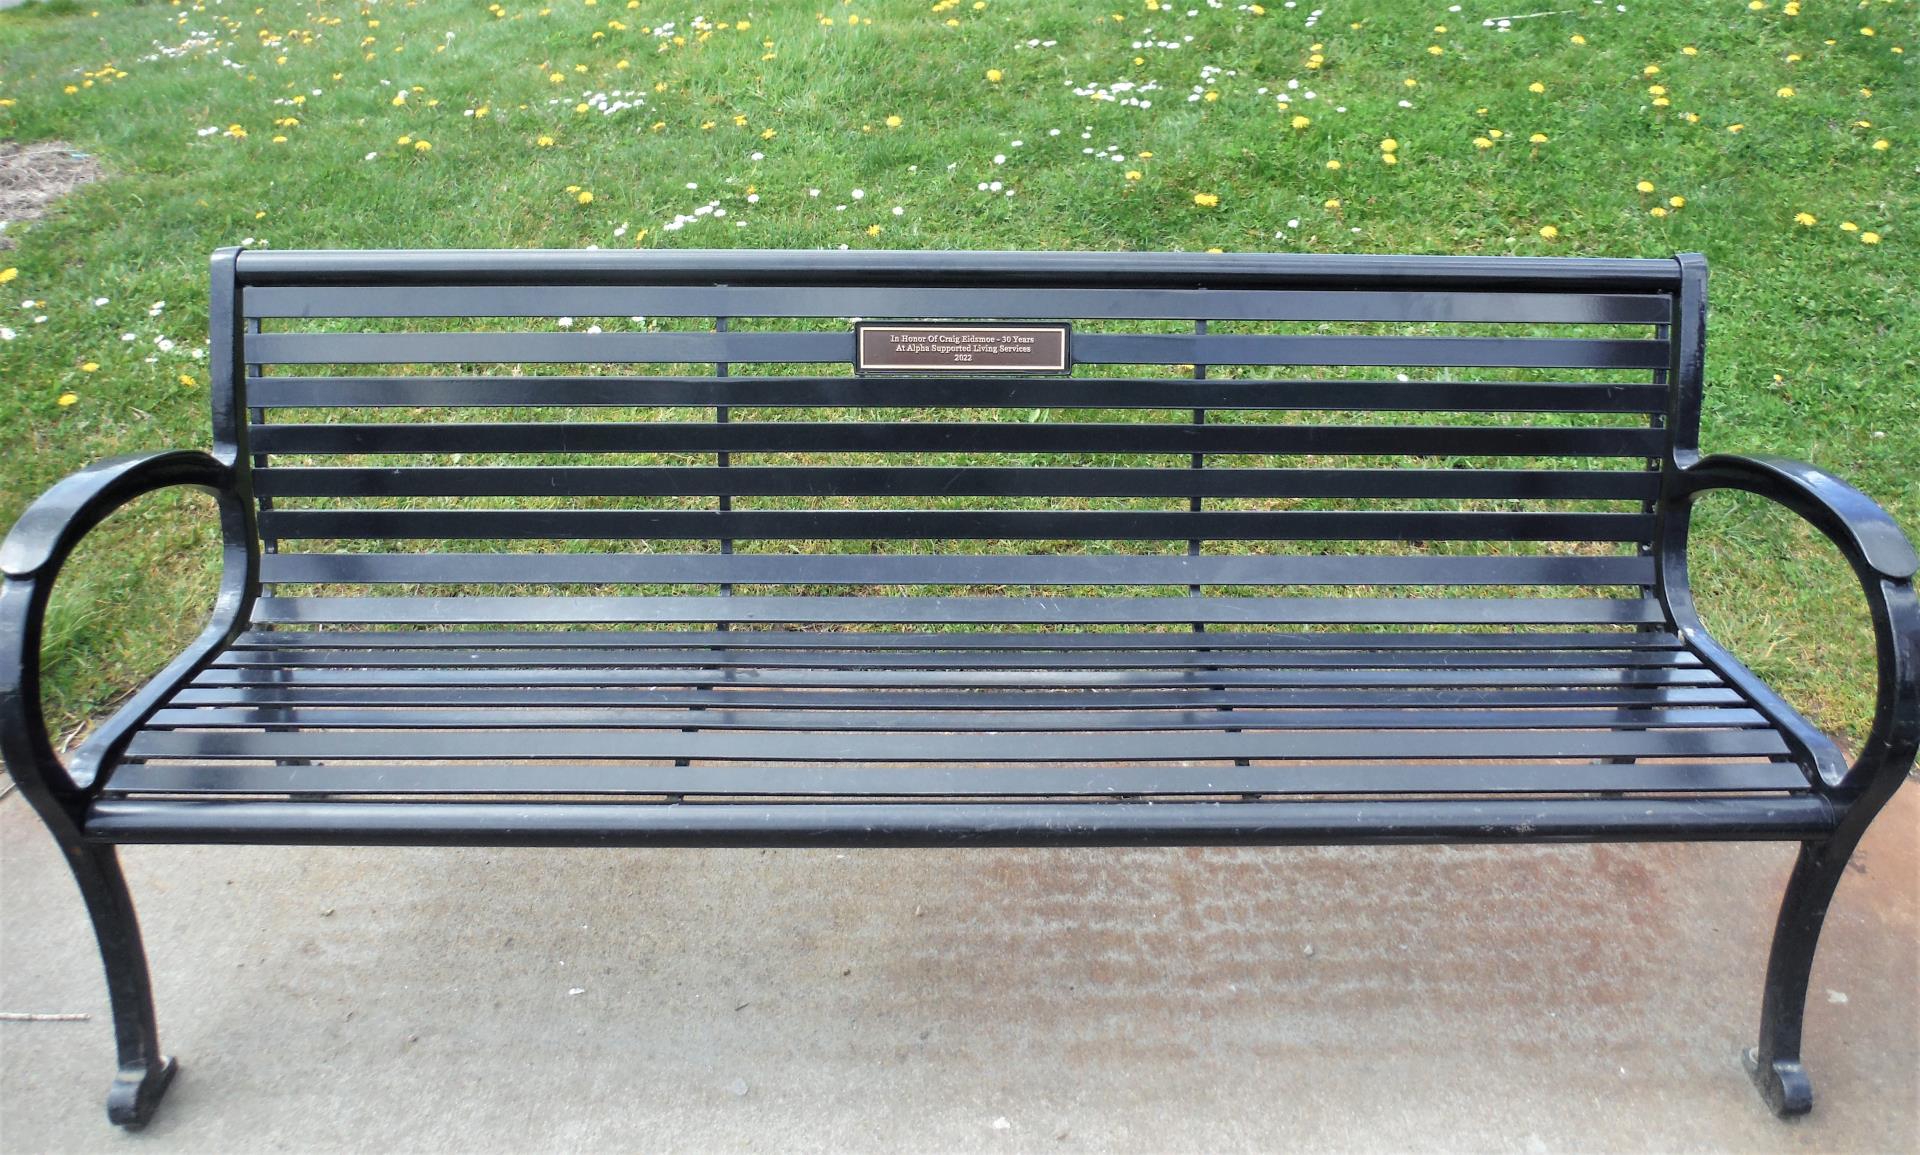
144 1072
1775 1062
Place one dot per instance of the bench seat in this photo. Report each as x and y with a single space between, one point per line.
686 717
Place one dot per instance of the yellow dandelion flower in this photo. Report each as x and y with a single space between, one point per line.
1657 89
1881 145
188 380
8 274
423 146
873 230
993 75
557 78
1735 128
894 122
1577 38
1435 50
1849 227
1869 238
1784 91
1299 122
1866 32
1757 5
1536 86
399 98
1495 133
1689 50
1410 82
1206 200
1650 70
404 141
90 367
543 142
1549 233
1657 211
1805 220
1334 165
1677 202
1482 142
66 399
1133 174
585 197
1389 145
1331 203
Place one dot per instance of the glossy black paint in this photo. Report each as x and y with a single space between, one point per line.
1541 719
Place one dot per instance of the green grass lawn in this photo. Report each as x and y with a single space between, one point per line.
1781 139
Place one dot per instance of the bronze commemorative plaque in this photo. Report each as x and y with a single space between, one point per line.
943 347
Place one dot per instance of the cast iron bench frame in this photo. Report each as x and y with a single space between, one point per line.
89 814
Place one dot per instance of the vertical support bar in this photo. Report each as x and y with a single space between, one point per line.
721 415
1199 461
1686 382
1195 504
256 416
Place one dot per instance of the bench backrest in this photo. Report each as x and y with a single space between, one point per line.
549 431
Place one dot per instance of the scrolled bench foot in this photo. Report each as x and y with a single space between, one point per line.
136 1093
1783 1083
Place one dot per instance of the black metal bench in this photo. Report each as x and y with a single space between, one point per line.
1015 582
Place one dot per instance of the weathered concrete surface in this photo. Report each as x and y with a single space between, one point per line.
1579 998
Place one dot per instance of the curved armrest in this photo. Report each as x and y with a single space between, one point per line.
56 522
30 560
1885 562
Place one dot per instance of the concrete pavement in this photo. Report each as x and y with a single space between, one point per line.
1589 998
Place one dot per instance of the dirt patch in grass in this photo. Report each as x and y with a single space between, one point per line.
33 176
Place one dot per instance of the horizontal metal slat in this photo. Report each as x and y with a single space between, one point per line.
957 393
906 719
950 569
744 659
927 824
817 348
441 694
812 746
955 437
962 481
954 611
805 300
1063 681
952 525
278 639
1104 781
